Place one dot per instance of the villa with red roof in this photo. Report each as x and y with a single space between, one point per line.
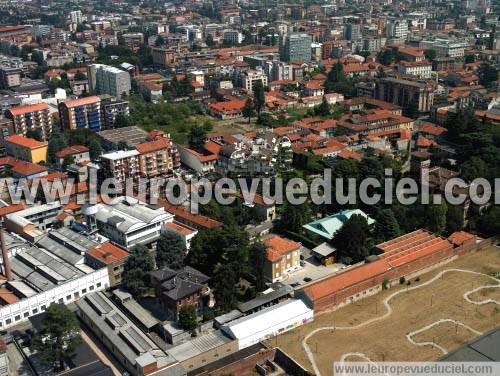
26 149
282 257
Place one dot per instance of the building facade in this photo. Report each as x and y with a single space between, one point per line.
81 113
104 79
35 116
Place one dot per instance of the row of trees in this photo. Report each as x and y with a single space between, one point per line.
59 141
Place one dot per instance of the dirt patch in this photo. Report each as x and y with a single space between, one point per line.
386 339
447 335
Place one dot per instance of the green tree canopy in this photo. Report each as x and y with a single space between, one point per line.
135 276
259 96
170 250
386 226
187 317
351 240
197 137
59 336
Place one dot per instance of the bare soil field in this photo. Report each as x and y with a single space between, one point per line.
412 309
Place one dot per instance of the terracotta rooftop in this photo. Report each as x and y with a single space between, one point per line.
177 227
459 237
278 246
151 146
70 150
25 141
16 111
184 214
108 253
82 101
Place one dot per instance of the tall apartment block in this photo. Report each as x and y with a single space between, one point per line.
104 79
120 165
81 113
296 47
158 157
111 108
34 116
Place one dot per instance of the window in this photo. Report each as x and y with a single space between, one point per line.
91 288
26 314
76 294
8 321
35 311
17 318
84 291
61 301
68 297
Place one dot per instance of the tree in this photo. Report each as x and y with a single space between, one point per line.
386 227
293 217
121 121
322 109
351 240
34 133
95 149
430 54
257 258
436 217
259 96
248 110
197 137
489 224
135 277
487 74
188 319
474 168
337 82
170 250
80 76
210 40
68 160
224 283
59 336
122 145
454 218
160 41
56 143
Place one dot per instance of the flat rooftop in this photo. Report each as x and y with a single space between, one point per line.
131 135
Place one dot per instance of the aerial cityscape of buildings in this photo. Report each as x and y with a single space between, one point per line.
254 91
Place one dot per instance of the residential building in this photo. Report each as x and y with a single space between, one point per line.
295 47
120 165
110 109
421 69
186 232
81 113
26 149
104 79
201 162
405 93
232 37
396 29
135 351
250 77
352 31
128 221
163 57
79 153
109 256
158 157
178 288
10 77
33 116
22 169
282 257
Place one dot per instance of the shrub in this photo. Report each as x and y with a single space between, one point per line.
408 283
402 280
385 284
417 279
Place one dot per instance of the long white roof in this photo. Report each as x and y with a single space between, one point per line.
267 318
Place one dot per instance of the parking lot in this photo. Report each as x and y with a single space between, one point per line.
312 270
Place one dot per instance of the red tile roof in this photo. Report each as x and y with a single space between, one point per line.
184 214
151 146
30 108
11 209
25 141
108 253
21 167
82 101
177 227
397 252
70 150
459 237
277 247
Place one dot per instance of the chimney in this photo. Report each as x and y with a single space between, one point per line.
5 256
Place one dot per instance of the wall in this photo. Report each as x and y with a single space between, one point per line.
33 305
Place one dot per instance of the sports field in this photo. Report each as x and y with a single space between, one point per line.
446 308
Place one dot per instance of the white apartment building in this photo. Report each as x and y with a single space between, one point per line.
232 37
396 29
250 77
421 69
105 79
446 48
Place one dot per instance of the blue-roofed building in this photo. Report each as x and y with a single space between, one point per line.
327 227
